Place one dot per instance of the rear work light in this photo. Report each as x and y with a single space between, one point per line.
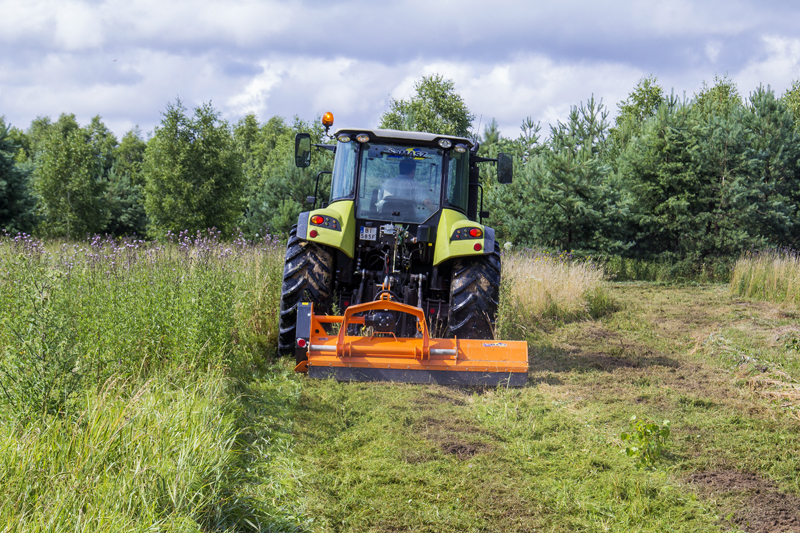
362 137
445 143
344 138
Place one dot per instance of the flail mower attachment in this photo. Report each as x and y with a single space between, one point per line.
385 357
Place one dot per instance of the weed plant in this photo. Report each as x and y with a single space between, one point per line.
772 275
76 314
121 364
541 288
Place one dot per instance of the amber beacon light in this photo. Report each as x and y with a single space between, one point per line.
327 120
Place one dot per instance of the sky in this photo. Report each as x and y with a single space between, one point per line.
125 60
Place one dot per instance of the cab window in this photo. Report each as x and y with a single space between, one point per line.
344 171
458 180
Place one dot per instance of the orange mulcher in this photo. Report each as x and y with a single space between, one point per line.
381 356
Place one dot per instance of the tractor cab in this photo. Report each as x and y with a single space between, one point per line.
403 177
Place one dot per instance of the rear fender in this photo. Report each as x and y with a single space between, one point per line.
338 229
453 240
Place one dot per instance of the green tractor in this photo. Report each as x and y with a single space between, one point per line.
403 222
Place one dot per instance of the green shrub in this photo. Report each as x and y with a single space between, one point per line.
646 441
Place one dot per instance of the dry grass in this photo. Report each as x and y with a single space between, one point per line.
539 287
773 275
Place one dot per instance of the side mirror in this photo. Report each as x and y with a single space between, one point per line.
311 200
505 168
302 150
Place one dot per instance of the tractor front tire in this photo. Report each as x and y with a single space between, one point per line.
307 277
474 297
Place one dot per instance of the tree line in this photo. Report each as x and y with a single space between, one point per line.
196 171
679 179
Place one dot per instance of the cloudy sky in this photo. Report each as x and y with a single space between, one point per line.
125 59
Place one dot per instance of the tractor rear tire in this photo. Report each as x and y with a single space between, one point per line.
474 297
307 277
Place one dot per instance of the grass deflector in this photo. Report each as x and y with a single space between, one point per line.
402 249
385 357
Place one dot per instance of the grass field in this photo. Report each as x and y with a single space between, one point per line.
187 429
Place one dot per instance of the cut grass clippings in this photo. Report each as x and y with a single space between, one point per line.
388 457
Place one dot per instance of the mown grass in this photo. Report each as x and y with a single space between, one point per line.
772 275
390 457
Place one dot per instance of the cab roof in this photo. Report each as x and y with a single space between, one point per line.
397 135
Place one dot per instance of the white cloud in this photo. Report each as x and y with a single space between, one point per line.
253 99
778 66
713 48
274 57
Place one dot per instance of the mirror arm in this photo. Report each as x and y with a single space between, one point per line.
480 213
329 147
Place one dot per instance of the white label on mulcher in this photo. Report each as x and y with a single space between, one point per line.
368 234
495 344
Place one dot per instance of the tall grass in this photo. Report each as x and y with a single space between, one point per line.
714 270
76 314
540 288
120 362
772 275
157 459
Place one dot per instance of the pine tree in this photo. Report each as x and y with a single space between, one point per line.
68 181
16 203
193 175
125 194
773 155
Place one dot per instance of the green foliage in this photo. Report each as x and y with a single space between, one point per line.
646 441
126 187
193 174
573 203
40 366
276 190
722 97
125 199
69 182
16 202
792 100
709 179
773 163
435 108
642 103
